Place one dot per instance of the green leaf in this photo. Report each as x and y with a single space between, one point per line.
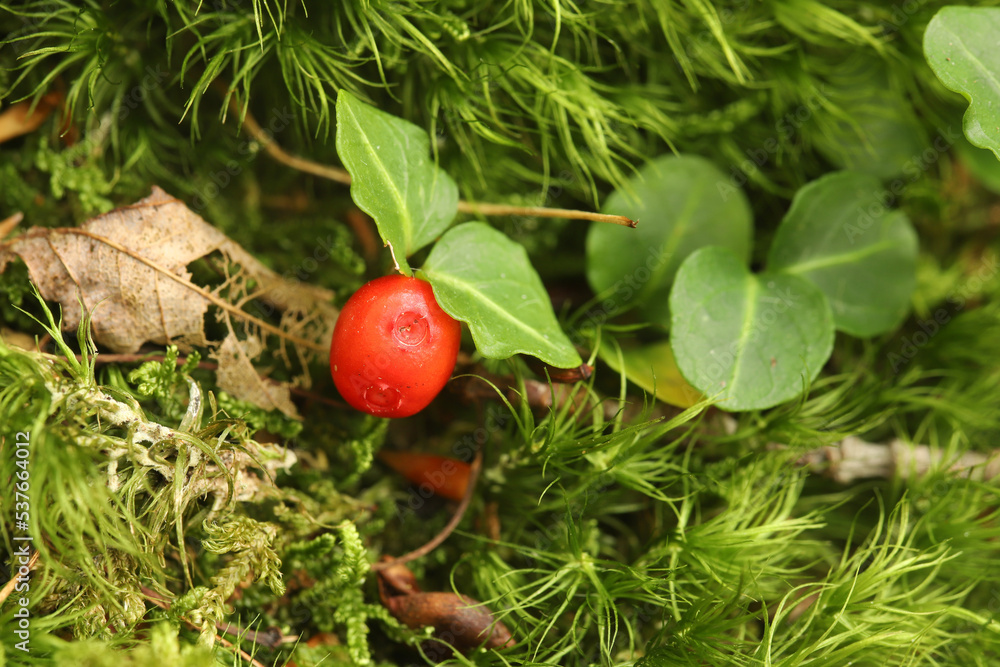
841 236
393 177
752 341
682 203
653 368
484 279
961 46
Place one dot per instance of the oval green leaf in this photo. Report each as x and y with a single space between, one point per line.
653 368
393 178
840 235
682 203
961 46
484 279
752 341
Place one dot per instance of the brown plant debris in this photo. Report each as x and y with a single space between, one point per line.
27 116
853 459
129 269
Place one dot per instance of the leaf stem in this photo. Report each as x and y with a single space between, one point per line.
542 212
339 175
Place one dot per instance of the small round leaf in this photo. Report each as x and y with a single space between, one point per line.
961 46
681 203
840 235
753 341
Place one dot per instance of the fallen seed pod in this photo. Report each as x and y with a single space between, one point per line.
457 619
444 476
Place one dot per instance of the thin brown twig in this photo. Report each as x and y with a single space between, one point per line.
278 153
9 224
243 654
8 588
163 603
342 176
456 518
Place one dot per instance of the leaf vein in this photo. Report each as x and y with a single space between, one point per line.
492 305
406 222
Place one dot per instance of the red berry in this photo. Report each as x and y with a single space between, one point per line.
393 347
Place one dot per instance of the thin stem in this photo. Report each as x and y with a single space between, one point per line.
341 176
542 212
163 603
10 585
456 518
278 153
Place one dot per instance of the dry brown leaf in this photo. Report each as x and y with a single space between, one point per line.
129 269
17 339
9 224
21 119
236 370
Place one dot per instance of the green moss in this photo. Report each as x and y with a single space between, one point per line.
163 648
514 92
629 533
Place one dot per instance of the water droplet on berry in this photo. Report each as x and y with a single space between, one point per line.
410 328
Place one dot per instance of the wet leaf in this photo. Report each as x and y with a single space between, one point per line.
841 236
682 203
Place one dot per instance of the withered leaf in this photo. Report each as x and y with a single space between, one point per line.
236 370
129 268
27 116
